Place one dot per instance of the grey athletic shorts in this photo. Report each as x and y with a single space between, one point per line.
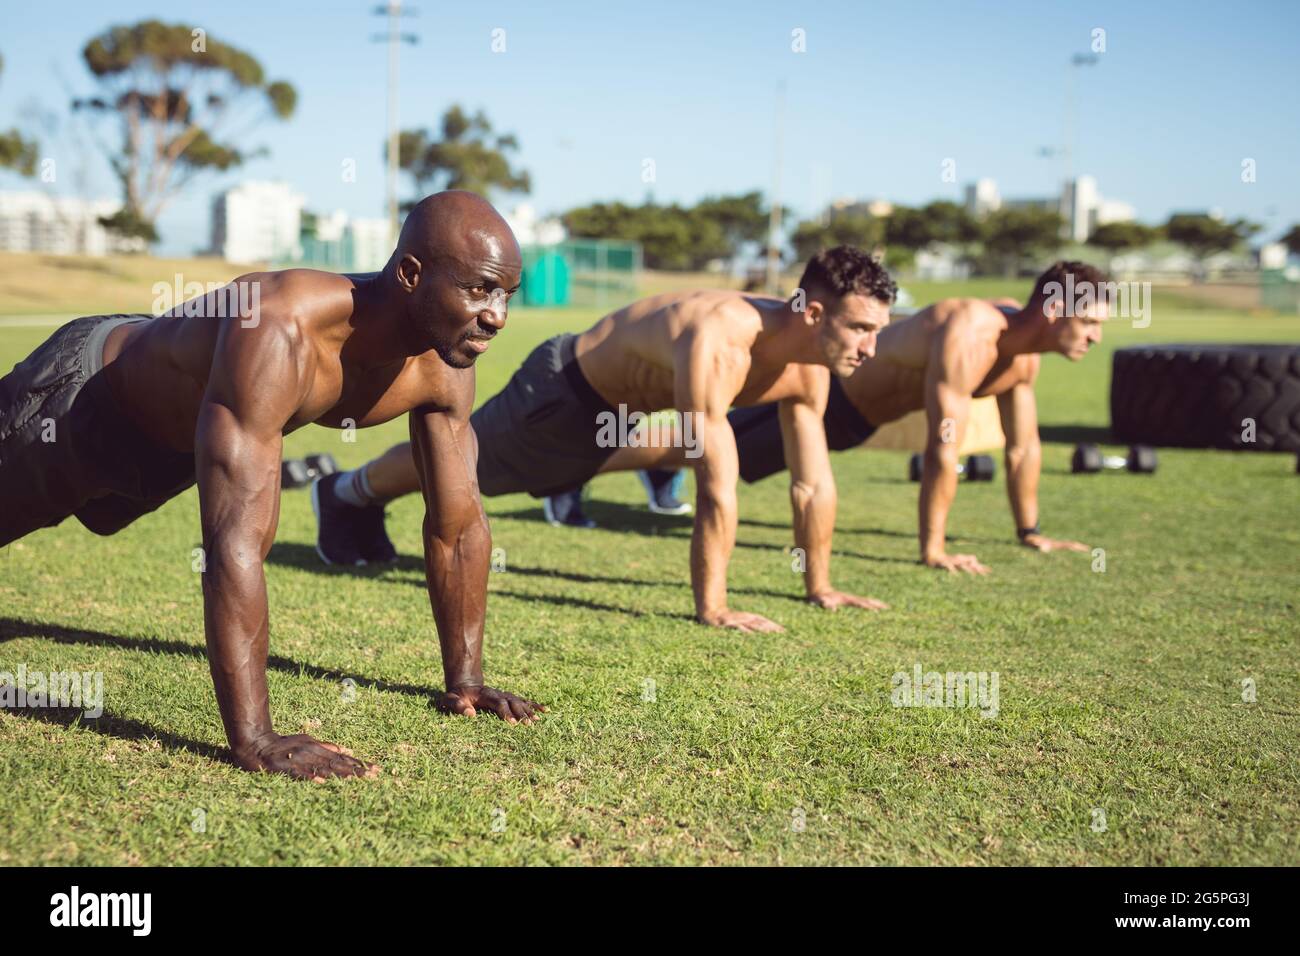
66 448
538 434
758 433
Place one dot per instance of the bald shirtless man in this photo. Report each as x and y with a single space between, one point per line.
939 359
700 353
114 415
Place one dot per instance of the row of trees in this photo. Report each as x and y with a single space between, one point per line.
1010 237
676 236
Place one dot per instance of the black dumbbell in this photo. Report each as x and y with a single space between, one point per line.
300 472
320 465
1089 460
977 468
294 474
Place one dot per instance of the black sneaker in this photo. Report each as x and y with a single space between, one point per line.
345 533
565 510
662 487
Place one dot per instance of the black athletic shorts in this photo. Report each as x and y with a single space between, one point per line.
66 448
538 434
758 433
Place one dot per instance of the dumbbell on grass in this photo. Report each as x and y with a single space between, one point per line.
1088 460
977 468
300 472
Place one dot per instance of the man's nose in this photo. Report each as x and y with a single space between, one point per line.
868 348
495 313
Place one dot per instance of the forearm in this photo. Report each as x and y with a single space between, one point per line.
236 629
938 489
1024 464
712 541
456 571
814 523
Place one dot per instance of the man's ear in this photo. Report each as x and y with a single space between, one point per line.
409 271
814 313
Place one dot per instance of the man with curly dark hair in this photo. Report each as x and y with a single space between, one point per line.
579 400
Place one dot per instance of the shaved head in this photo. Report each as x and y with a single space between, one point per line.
459 224
459 262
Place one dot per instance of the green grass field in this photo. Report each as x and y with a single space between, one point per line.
1119 691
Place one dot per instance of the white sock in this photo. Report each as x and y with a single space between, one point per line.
353 488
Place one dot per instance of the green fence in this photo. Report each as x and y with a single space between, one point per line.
588 273
602 273
1278 292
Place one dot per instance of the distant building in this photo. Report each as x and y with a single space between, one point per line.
39 222
530 230
370 243
257 222
876 208
1080 204
982 198
339 243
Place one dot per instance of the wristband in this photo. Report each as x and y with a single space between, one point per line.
1023 533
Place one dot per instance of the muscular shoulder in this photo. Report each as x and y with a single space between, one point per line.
301 301
967 318
724 317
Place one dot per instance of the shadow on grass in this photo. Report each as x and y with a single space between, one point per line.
291 554
778 526
580 577
565 600
124 728
1074 434
637 520
12 628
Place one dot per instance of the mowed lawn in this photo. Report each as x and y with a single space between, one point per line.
1120 692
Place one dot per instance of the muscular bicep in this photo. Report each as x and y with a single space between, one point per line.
957 364
256 383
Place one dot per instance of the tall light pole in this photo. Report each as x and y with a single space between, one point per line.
394 37
1076 61
1068 186
774 215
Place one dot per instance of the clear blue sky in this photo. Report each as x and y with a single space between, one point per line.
884 93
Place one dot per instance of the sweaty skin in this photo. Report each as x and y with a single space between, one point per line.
939 359
334 350
702 353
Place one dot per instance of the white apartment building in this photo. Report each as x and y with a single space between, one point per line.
1080 204
257 222
34 221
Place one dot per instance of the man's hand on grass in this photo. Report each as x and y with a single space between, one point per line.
953 563
741 621
468 701
831 599
302 757
1040 543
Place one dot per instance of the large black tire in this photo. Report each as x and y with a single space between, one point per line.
1199 396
